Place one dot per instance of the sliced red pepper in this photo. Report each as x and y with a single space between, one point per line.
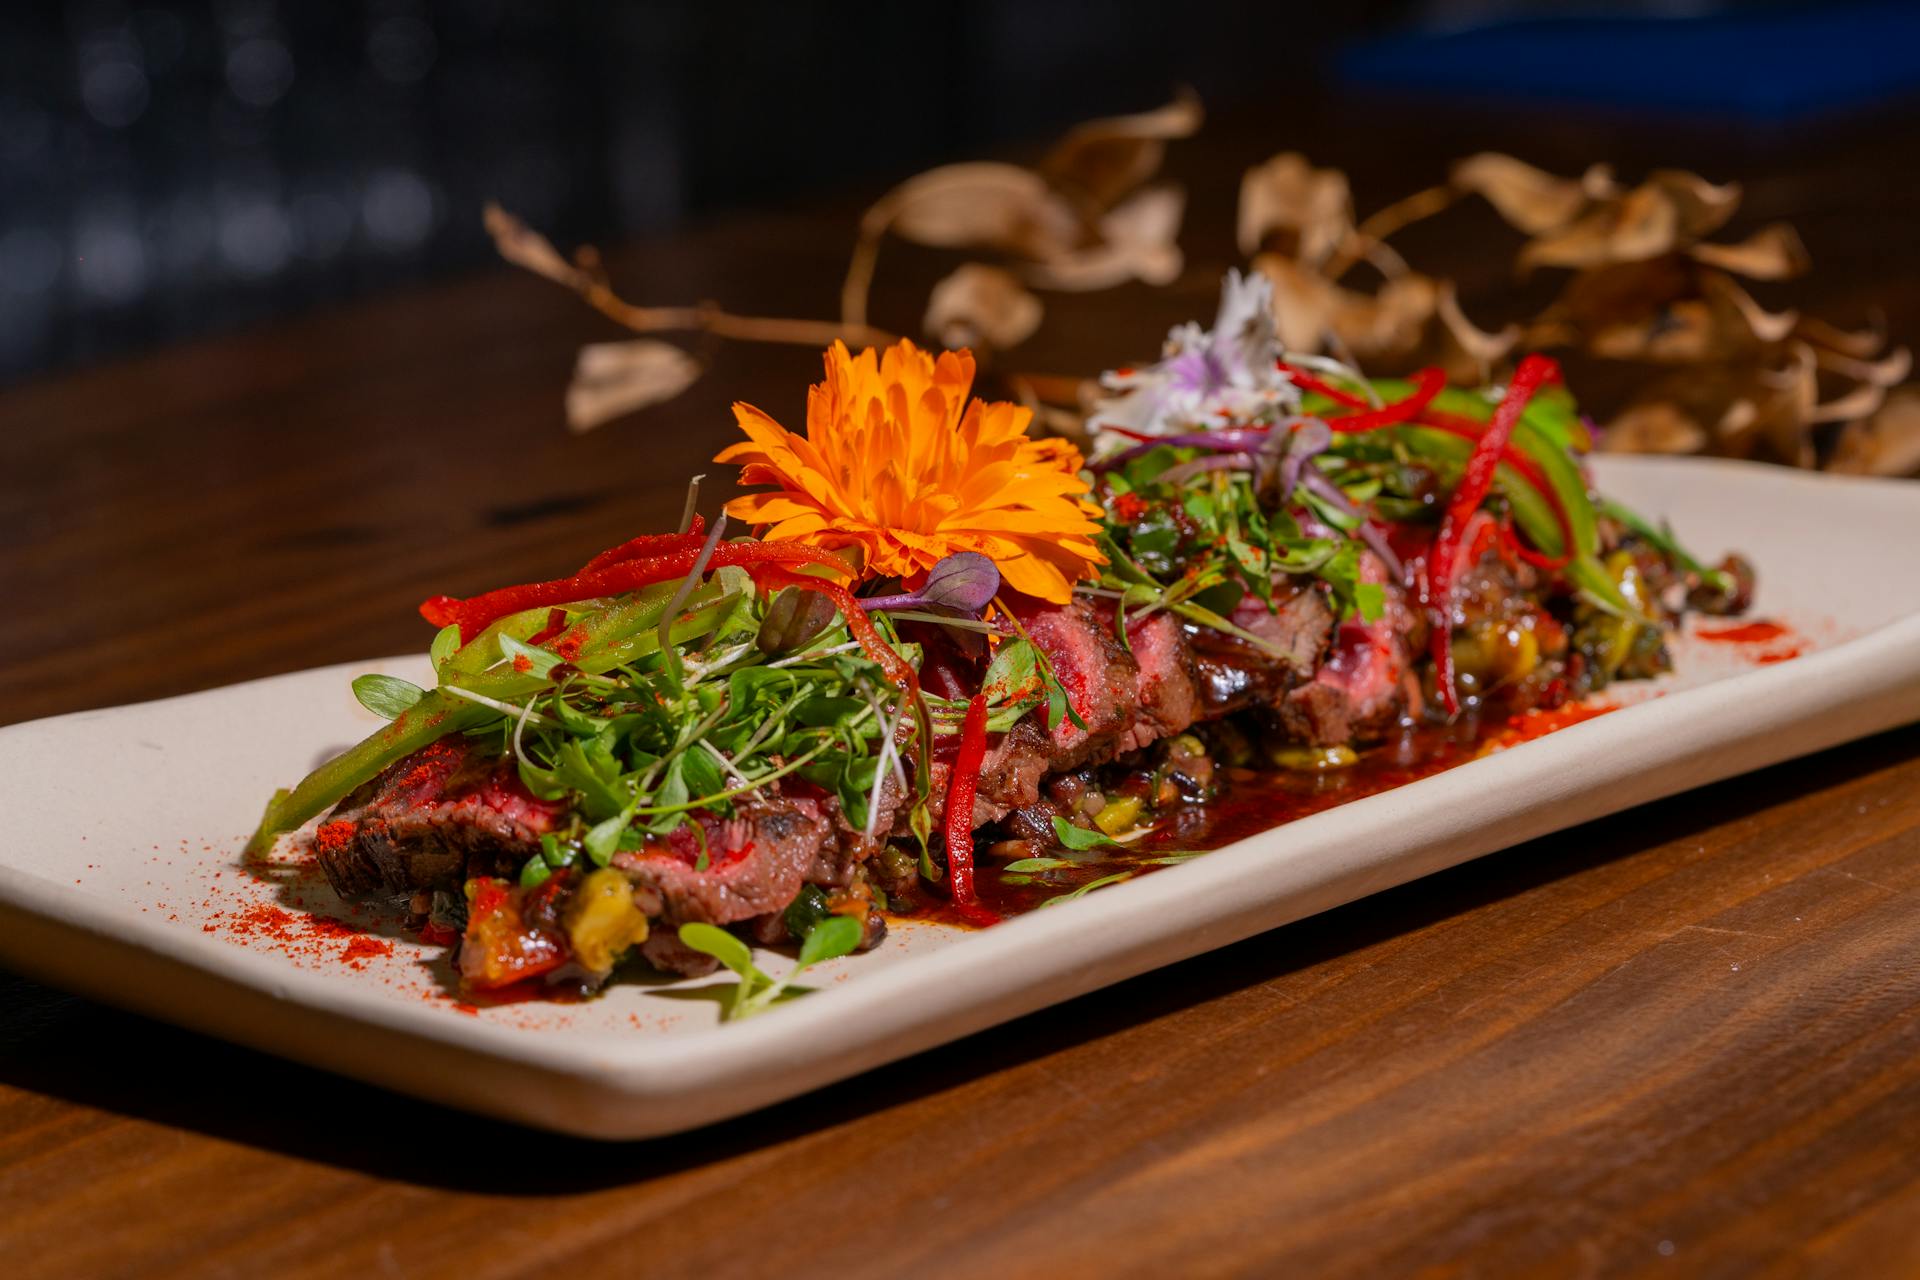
649 544
961 785
1415 410
1307 382
474 615
501 947
556 623
1467 429
1488 451
1428 383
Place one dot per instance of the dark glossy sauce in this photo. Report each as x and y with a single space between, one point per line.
1256 800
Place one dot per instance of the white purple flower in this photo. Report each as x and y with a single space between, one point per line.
1206 378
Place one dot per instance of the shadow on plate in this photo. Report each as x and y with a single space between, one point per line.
60 1046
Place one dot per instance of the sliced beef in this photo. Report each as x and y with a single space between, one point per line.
1233 674
756 862
1365 685
833 866
1167 680
431 821
1127 695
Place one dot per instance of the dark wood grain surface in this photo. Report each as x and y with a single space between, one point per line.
1683 1041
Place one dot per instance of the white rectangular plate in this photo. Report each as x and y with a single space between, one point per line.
121 875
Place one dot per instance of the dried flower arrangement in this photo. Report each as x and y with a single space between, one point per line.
1721 373
1715 371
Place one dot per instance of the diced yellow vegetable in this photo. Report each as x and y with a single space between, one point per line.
1120 815
602 920
1312 759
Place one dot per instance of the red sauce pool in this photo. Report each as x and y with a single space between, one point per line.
1256 800
1746 633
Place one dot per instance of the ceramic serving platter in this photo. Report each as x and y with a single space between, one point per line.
121 874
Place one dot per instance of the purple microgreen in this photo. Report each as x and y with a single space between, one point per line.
1231 438
1310 439
962 583
1212 462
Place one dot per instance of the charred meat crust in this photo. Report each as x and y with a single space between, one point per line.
432 821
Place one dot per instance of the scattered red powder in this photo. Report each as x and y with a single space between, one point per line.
568 646
299 933
1747 633
1128 507
522 663
361 949
333 837
471 1010
1782 655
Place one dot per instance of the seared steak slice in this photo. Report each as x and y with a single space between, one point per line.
755 862
1166 681
431 821
1366 683
1234 675
1127 699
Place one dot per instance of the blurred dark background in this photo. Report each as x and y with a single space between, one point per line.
180 167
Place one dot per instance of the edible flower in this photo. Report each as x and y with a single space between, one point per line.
1207 378
898 464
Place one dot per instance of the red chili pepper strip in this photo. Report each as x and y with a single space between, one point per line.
475 614
1533 372
960 788
1529 470
649 544
556 623
1307 382
1428 383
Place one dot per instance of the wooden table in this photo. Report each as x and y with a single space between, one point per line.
1682 1041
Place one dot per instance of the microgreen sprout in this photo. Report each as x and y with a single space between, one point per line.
963 583
388 697
756 992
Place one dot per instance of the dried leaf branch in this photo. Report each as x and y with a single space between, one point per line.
612 379
1082 219
1646 287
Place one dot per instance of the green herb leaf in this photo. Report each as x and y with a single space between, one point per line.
713 941
1013 675
1088 888
1037 864
1079 839
1370 600
446 642
830 939
603 838
386 696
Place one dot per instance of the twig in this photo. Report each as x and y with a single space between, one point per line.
858 284
525 247
1369 238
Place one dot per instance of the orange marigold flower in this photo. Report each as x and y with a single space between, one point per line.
898 464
